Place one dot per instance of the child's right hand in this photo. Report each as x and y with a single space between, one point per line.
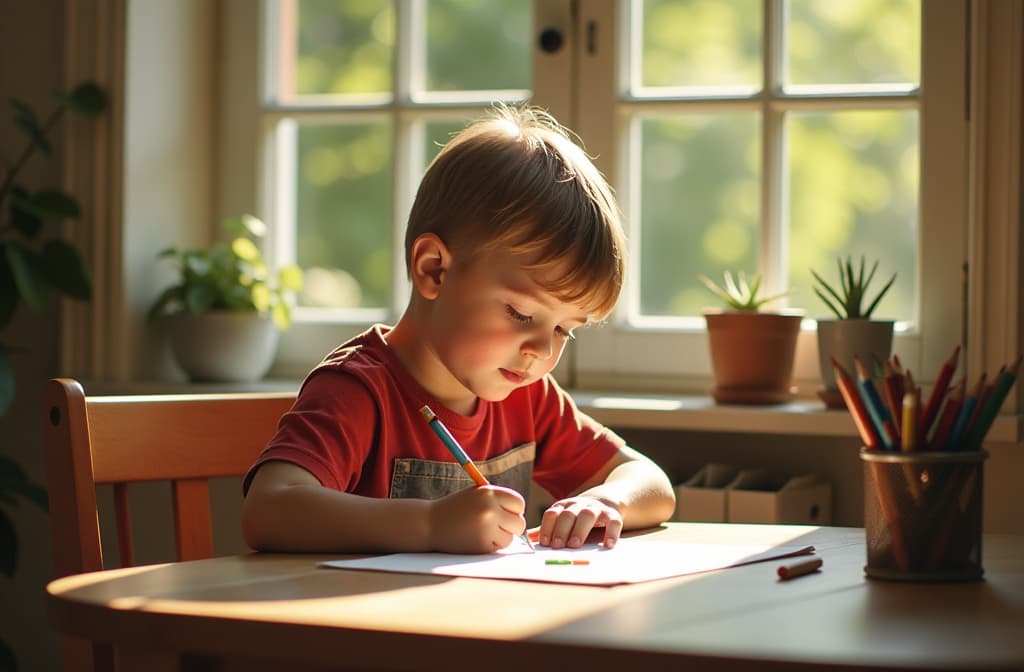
482 519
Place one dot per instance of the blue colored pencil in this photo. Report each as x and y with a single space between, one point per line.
963 417
875 407
460 455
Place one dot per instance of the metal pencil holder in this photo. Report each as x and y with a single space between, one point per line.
922 515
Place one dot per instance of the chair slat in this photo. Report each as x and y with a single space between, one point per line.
122 511
192 525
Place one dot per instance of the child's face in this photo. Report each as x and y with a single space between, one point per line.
495 328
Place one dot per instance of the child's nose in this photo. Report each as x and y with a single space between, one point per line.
539 346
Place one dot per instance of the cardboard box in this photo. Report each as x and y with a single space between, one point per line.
701 498
756 497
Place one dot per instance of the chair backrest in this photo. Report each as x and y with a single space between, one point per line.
185 439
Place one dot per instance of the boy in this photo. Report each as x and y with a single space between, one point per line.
513 242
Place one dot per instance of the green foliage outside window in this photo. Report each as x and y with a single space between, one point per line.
851 174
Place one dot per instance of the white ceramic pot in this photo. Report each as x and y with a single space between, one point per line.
869 340
223 346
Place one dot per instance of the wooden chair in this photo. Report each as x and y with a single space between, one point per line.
185 439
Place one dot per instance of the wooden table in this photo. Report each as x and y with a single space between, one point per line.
283 612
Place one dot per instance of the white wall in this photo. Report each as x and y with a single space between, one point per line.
169 148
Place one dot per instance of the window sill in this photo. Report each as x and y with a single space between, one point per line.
702 414
693 413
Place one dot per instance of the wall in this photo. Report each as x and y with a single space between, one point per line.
30 68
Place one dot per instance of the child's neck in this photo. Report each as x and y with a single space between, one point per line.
427 370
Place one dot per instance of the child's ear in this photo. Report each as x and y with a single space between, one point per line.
429 260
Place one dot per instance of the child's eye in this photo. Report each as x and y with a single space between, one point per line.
517 316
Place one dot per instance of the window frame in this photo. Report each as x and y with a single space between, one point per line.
615 356
670 358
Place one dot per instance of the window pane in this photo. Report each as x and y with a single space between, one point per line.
700 206
854 42
474 45
343 47
853 191
437 135
701 43
344 214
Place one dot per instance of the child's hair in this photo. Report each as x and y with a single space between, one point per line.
515 180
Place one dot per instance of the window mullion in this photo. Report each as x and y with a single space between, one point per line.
774 185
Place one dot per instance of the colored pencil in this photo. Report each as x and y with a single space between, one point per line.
800 568
910 385
931 410
460 455
987 416
876 408
983 399
854 404
908 428
945 421
964 415
893 386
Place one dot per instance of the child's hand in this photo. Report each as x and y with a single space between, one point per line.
568 522
483 519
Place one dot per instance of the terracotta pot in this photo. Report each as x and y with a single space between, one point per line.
752 355
869 340
223 346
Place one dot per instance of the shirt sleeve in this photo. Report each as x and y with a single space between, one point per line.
320 433
571 446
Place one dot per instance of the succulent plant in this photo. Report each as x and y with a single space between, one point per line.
848 300
739 294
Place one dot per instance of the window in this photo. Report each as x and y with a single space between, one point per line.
768 135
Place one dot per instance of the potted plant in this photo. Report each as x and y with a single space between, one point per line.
225 312
34 265
853 332
752 349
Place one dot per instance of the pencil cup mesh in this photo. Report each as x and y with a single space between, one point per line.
922 515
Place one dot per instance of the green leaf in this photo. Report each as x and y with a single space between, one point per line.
261 297
86 99
8 663
199 298
22 110
25 119
55 204
8 545
48 204
6 380
253 225
23 221
64 269
25 269
8 290
245 249
169 297
281 315
196 263
14 479
290 277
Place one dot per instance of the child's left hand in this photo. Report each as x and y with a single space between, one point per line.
568 522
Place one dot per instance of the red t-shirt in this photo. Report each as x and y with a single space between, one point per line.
356 427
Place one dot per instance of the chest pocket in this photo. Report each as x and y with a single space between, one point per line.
413 478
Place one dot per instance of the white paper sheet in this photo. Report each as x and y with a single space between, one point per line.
631 561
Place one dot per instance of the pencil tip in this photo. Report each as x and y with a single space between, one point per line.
427 414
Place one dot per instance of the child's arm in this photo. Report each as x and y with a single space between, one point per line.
287 509
629 492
